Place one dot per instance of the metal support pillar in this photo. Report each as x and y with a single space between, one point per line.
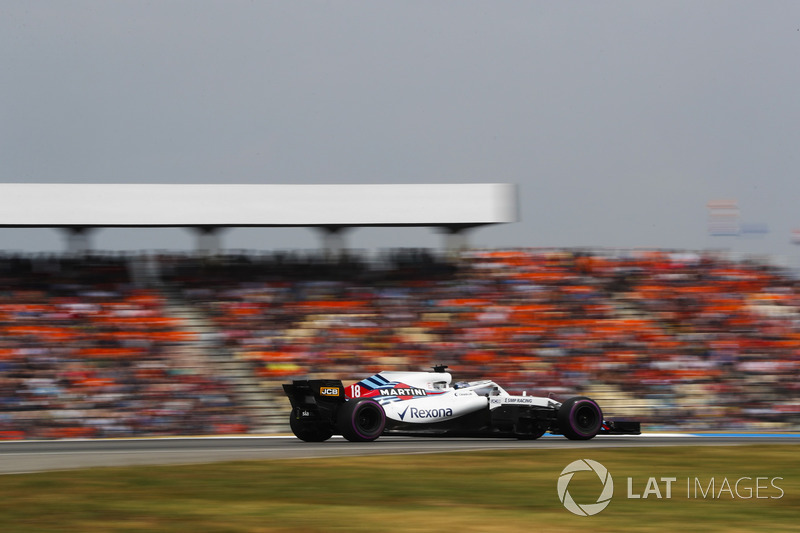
333 241
77 239
208 240
455 238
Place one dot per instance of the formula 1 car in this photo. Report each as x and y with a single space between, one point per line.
425 404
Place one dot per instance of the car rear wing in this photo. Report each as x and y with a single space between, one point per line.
313 392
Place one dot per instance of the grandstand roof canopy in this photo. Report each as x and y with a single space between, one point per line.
239 205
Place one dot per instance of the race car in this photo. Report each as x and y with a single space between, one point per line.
427 404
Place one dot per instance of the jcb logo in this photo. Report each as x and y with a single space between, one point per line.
329 391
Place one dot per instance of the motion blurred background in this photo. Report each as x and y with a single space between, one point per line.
98 346
654 268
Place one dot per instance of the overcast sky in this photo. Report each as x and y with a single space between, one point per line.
619 121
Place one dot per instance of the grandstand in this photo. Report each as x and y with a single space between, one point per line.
103 345
90 347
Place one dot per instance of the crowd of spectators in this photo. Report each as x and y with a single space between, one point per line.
86 353
677 340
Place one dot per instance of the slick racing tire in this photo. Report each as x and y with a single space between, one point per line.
361 420
309 430
579 418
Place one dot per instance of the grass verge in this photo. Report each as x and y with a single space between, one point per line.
466 492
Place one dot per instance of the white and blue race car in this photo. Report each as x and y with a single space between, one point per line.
427 404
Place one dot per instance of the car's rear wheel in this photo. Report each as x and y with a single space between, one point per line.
309 430
579 418
361 420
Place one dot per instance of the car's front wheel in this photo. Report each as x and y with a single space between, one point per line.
361 420
579 418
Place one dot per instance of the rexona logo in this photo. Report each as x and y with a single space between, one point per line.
586 509
413 412
329 391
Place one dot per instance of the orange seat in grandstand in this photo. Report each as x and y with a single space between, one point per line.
114 353
97 382
69 433
243 310
50 333
229 429
478 357
465 303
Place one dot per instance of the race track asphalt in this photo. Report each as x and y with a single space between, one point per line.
37 456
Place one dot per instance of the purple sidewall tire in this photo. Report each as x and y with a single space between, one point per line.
580 418
361 420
